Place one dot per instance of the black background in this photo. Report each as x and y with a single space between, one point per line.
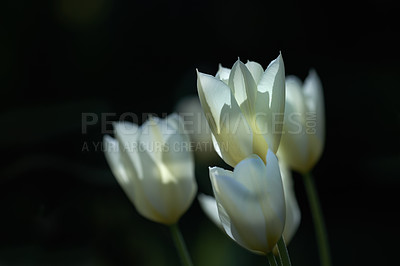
60 204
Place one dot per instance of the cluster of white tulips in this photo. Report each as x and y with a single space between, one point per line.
262 124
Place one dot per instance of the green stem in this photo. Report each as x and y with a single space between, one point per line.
278 259
319 224
180 245
271 259
283 253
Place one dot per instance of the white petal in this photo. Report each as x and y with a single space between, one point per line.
275 186
214 95
218 171
274 203
295 96
126 128
177 156
235 140
169 197
218 150
251 173
273 83
256 70
112 153
124 171
155 132
266 184
244 88
223 73
127 135
152 136
209 206
227 123
313 92
294 150
175 124
263 121
223 216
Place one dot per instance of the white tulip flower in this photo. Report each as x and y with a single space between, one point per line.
154 166
244 108
293 215
303 134
250 202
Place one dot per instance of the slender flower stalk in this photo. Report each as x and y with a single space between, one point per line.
319 224
271 259
180 245
283 253
278 259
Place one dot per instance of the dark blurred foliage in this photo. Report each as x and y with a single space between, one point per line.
60 204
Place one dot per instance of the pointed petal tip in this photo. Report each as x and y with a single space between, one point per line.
125 128
200 74
278 60
212 168
175 118
204 197
110 144
238 61
313 78
280 57
115 124
312 70
152 119
313 73
118 126
108 138
174 115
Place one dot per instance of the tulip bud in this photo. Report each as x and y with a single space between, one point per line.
154 166
293 215
244 108
303 134
250 202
